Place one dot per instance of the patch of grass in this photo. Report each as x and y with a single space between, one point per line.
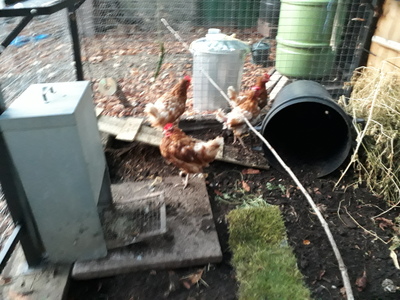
264 263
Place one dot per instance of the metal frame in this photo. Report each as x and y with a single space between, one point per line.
33 8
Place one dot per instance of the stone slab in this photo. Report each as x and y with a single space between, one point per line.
47 282
191 238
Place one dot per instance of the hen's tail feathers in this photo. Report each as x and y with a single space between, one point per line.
218 141
232 94
221 116
214 145
151 110
152 113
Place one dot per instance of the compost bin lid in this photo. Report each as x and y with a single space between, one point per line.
216 42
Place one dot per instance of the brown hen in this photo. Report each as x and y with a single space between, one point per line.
190 155
234 120
261 94
170 106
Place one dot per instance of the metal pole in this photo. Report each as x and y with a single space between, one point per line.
75 40
14 33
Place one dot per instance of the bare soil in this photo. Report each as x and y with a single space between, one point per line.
348 209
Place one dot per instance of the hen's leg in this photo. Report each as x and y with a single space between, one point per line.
185 183
184 180
235 138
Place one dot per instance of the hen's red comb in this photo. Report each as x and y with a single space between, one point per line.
187 78
168 126
267 77
255 88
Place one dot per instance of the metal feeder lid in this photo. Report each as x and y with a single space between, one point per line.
216 42
46 105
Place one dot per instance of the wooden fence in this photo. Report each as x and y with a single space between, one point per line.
386 40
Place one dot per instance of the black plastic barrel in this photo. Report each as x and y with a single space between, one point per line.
308 129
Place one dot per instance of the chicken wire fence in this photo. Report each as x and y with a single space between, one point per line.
126 42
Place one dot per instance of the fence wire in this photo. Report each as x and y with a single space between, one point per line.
6 223
41 53
125 40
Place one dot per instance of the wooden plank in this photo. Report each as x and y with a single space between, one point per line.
387 26
130 129
98 111
386 43
149 135
379 54
152 136
274 79
281 83
387 29
110 125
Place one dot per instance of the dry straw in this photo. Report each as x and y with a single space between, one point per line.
376 99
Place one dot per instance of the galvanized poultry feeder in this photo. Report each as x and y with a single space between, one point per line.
51 132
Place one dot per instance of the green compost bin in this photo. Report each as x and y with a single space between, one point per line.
240 13
304 40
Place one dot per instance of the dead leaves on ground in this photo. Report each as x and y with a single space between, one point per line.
246 186
384 224
194 278
187 281
250 171
361 282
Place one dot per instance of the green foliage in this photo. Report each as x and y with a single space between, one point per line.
264 263
270 186
241 198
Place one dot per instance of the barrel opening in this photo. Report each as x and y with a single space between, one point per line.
309 136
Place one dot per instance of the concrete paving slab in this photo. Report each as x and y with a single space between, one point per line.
46 282
191 238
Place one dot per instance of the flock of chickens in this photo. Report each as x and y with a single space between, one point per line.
191 155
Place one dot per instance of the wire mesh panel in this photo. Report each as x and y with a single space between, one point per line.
132 58
320 40
41 53
6 222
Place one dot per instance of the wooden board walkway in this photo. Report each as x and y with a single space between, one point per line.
134 129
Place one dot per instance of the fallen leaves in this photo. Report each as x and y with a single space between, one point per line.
384 223
194 278
250 171
246 186
361 282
